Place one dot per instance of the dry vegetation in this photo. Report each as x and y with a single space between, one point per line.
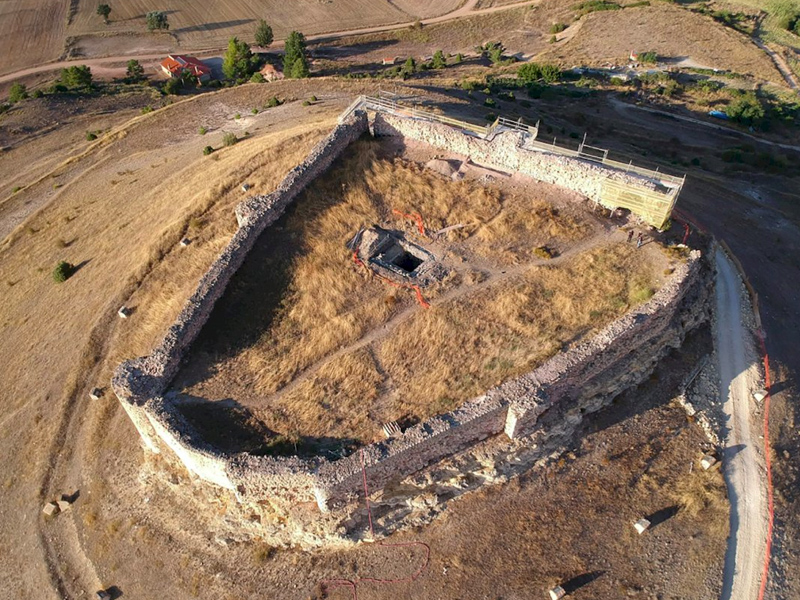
318 350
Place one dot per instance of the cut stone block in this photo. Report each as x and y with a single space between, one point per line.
63 505
103 595
759 395
96 394
245 187
557 593
50 509
185 242
641 526
123 312
707 462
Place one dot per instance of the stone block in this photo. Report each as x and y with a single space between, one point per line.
185 242
557 593
708 461
50 509
759 395
103 595
96 393
123 312
63 505
641 526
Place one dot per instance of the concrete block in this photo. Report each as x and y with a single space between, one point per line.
641 525
185 242
708 461
96 394
759 395
123 312
245 187
103 595
557 593
50 509
63 505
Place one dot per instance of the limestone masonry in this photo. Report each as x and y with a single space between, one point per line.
581 379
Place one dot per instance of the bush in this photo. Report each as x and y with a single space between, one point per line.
438 61
558 27
490 117
90 135
312 99
172 86
37 94
77 77
237 116
202 130
489 102
257 78
147 109
134 71
584 8
207 150
63 271
530 72
458 58
543 252
17 92
157 19
229 139
746 109
648 58
553 39
273 102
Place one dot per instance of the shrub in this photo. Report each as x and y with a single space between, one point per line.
237 116
257 78
90 135
312 99
172 86
584 8
489 102
17 92
558 27
490 117
157 19
273 102
458 58
306 103
438 61
147 109
254 110
746 109
63 271
202 130
263 35
532 71
77 77
207 150
37 94
229 139
543 252
648 58
553 39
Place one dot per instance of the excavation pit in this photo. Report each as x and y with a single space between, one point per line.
391 255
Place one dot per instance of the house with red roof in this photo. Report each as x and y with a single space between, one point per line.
176 65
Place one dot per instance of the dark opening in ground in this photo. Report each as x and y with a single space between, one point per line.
407 261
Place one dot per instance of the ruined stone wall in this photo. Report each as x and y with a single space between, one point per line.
139 383
507 152
582 378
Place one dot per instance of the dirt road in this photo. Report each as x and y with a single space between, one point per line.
781 65
741 460
467 10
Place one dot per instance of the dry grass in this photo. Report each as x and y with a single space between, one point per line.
300 308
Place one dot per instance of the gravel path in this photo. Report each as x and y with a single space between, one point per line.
741 461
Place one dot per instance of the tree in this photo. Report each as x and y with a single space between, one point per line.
77 77
63 271
746 109
172 86
438 61
295 59
263 34
157 19
494 50
104 10
239 61
17 92
135 71
408 67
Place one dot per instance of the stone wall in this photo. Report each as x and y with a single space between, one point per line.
507 152
582 378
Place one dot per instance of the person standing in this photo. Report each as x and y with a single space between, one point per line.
630 236
640 240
